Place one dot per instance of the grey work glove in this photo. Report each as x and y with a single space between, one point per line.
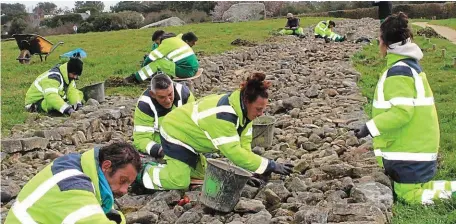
362 132
115 216
258 180
279 168
77 106
157 151
69 110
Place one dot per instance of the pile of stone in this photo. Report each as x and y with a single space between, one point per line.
429 32
317 105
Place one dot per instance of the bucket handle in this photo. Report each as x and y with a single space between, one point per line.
258 135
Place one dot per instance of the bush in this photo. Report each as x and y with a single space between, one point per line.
85 27
106 22
196 17
449 9
64 29
18 25
57 21
157 16
130 20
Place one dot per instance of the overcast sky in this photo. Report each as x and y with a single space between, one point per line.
29 5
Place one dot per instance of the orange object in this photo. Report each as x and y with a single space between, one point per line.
184 201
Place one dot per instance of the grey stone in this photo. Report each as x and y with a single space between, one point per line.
244 12
296 185
110 114
155 206
271 197
9 190
168 216
262 217
249 191
293 102
11 145
34 143
311 215
189 217
356 212
301 166
132 203
248 205
258 150
92 102
143 217
169 197
308 198
338 170
172 21
52 135
52 155
309 146
372 192
312 91
352 141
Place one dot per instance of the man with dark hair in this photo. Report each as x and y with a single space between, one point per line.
190 38
78 188
174 57
324 30
292 27
385 8
159 99
48 91
156 38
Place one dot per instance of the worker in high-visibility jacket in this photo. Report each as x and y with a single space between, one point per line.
174 57
216 123
292 27
324 30
78 188
156 39
159 99
56 89
404 120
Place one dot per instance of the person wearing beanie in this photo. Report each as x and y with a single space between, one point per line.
385 8
56 89
292 26
324 30
404 123
174 57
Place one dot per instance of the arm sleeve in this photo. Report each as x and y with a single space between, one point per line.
144 133
74 95
191 98
51 95
226 138
84 210
287 24
398 90
162 50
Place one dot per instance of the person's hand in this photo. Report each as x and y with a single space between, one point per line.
157 151
115 216
279 168
77 106
69 110
293 28
257 180
362 132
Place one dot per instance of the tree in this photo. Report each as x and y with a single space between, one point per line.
18 25
129 6
12 11
48 8
93 6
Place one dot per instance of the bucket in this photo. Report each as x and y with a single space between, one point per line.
95 91
263 131
222 185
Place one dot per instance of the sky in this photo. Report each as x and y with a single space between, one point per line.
29 5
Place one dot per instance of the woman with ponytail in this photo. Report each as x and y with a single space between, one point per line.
404 120
215 123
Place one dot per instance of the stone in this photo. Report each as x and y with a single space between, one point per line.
271 197
248 205
331 92
309 146
312 92
272 154
131 203
258 150
308 198
249 191
338 170
92 102
244 12
9 190
347 184
155 206
311 215
189 217
11 145
169 197
143 217
34 143
293 102
168 216
110 114
352 141
372 192
356 212
296 185
52 135
260 217
301 166
52 155
172 21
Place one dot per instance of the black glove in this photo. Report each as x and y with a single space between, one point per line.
157 151
362 132
279 168
257 181
69 110
77 106
115 216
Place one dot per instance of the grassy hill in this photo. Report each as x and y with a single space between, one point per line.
116 54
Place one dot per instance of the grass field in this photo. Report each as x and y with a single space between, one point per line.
441 76
116 54
445 22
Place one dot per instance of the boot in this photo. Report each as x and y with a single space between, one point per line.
131 79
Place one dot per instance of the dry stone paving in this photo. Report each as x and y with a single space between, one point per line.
317 104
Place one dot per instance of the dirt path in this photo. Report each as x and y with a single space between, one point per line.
446 32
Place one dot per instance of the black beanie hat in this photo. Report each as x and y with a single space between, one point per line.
75 66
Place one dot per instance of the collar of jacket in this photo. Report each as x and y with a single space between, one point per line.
399 52
89 163
63 70
239 107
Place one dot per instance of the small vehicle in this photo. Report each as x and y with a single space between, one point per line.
33 44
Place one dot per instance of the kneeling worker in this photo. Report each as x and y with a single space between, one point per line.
159 99
174 57
324 30
292 26
214 123
78 188
49 91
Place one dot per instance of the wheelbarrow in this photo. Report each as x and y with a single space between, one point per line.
33 44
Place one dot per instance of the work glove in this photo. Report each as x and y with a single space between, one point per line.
279 168
157 151
116 216
362 132
257 180
77 106
69 110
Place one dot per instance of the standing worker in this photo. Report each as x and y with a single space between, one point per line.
292 27
78 188
50 90
404 120
385 9
214 123
158 100
324 30
174 57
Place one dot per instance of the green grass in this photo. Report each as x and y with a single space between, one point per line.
441 76
116 54
445 22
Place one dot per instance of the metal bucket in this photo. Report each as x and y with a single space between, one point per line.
95 91
222 185
263 131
